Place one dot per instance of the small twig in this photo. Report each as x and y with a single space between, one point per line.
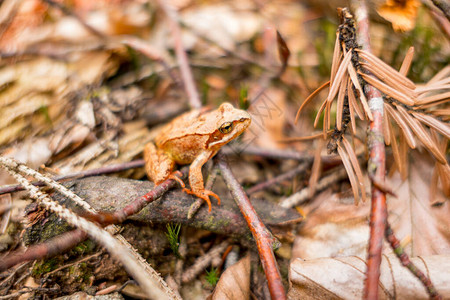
93 172
64 9
13 273
203 261
285 176
89 257
50 248
376 164
265 241
271 153
303 195
186 73
443 6
404 259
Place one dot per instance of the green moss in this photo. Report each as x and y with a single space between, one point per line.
44 266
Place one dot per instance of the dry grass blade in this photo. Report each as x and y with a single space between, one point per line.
443 113
362 97
326 119
350 173
390 71
422 135
337 55
441 84
424 106
310 97
396 151
352 118
339 77
402 124
403 149
355 164
441 127
405 99
435 98
445 72
386 130
303 138
389 80
322 107
406 64
442 170
316 167
352 101
340 102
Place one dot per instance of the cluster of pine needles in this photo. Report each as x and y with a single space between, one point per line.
419 111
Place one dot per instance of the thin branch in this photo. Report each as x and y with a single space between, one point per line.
87 173
443 6
376 164
305 194
404 259
186 73
285 176
265 241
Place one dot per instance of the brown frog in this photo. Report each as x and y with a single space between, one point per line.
193 138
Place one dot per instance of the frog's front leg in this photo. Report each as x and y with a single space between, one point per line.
159 166
196 178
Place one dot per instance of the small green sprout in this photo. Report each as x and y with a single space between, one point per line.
212 276
173 232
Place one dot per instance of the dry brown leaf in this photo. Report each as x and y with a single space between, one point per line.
234 282
411 215
343 278
332 227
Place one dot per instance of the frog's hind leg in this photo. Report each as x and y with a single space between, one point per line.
158 165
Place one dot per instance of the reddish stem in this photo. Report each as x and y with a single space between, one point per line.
376 164
264 239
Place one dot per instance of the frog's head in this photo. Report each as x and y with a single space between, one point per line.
230 123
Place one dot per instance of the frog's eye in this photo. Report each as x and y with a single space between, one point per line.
226 127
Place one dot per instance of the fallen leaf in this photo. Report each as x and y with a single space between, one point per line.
412 216
343 278
234 282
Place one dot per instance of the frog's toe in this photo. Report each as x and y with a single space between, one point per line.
177 177
203 195
214 195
